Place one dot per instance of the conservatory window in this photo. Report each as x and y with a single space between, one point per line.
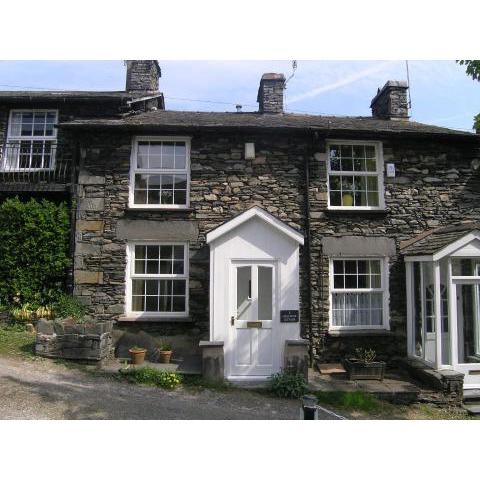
355 175
358 293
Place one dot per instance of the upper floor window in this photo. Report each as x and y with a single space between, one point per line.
160 173
31 140
355 175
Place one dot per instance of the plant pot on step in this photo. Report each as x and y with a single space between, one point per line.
137 355
165 356
361 370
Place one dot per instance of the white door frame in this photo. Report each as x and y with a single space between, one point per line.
464 368
232 301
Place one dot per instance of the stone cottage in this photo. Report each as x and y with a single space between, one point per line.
257 232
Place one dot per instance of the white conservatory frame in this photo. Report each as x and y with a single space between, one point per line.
466 247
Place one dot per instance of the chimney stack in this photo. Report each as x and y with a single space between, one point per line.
270 93
142 76
391 103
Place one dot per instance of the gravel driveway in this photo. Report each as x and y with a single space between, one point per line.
42 389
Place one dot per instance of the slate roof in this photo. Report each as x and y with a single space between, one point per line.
184 119
65 95
431 242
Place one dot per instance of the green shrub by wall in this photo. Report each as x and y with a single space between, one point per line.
34 238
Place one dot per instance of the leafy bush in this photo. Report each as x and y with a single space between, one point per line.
154 377
34 238
288 385
165 347
67 306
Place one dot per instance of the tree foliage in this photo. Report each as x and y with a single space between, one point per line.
473 69
34 239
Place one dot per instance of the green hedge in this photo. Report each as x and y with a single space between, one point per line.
34 238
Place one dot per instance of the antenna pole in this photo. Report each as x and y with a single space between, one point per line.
408 83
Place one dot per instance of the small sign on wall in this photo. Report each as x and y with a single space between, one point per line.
289 316
390 169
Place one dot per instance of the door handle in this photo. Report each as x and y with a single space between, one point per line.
232 320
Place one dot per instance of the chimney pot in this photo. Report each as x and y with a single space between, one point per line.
391 102
142 75
270 93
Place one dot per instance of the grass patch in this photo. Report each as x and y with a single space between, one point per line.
358 401
16 341
197 382
152 377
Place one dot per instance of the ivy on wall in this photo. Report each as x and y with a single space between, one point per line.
34 239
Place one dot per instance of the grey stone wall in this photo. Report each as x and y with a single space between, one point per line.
270 93
142 75
391 101
223 184
434 186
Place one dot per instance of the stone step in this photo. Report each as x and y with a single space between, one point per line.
471 394
472 408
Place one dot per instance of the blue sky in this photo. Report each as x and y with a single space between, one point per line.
441 92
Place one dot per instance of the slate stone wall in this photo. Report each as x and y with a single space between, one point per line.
434 185
223 184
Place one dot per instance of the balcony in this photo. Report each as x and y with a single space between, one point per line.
27 166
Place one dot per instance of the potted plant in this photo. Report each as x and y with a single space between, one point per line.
362 365
137 355
165 352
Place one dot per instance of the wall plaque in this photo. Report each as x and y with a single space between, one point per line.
289 316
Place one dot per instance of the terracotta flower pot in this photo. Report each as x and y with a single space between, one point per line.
165 356
137 357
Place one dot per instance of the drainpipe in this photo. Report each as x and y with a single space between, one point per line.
307 246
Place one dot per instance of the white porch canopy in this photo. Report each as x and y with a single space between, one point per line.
443 302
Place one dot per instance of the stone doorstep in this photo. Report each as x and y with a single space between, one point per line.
389 389
472 408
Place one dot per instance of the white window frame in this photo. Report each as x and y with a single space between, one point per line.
384 266
130 275
32 138
134 170
379 173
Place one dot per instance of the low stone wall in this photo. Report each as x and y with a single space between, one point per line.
448 383
56 339
212 360
295 358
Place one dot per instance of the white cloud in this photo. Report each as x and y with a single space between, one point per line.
341 83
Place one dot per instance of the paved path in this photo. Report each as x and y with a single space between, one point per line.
42 389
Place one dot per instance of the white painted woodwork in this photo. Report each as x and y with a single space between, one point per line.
259 241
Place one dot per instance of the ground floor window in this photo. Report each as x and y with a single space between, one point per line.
158 279
358 292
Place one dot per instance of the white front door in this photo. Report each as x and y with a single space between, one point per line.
253 319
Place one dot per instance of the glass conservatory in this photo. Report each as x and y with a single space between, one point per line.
443 301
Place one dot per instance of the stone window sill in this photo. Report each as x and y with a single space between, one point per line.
127 319
157 210
334 212
360 333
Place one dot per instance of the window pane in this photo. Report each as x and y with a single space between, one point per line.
178 252
151 304
369 151
138 304
151 287
347 164
375 266
140 197
138 287
338 281
140 251
346 151
141 181
180 197
166 252
167 197
350 281
178 304
180 155
179 287
371 164
335 199
168 155
180 182
166 267
178 267
152 266
244 286
265 293
142 155
165 304
350 266
139 266
337 266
